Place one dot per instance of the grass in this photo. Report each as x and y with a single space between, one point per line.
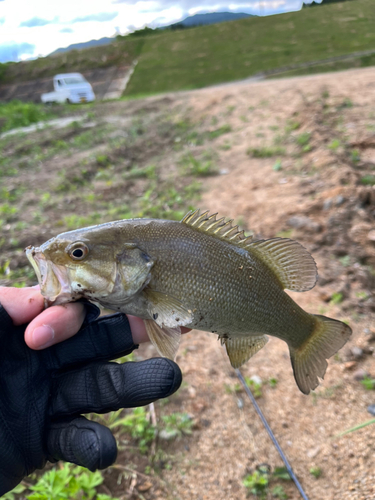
16 114
212 54
266 152
119 53
198 167
368 180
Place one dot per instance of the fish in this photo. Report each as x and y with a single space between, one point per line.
202 273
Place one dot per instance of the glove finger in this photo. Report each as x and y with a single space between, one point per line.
103 387
107 338
81 442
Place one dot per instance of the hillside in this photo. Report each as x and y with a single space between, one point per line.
207 55
119 53
232 51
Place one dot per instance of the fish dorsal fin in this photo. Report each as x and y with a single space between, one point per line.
220 228
291 262
241 349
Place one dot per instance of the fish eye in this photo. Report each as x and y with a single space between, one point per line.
78 251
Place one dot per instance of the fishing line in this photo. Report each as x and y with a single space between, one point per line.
271 434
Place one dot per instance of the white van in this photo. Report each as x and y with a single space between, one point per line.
69 88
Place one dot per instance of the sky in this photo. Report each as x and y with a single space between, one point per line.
33 28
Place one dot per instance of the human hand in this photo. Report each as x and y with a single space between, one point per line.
53 325
43 392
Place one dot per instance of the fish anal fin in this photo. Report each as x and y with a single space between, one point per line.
309 360
218 228
241 349
166 310
166 340
291 262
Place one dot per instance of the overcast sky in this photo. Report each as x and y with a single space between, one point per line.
29 28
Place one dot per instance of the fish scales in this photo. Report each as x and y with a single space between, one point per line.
189 271
199 273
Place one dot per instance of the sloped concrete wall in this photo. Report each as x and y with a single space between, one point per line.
100 79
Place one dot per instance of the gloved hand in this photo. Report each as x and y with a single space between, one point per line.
43 393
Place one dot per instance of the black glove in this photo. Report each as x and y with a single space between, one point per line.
42 394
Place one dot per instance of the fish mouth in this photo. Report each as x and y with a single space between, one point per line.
53 279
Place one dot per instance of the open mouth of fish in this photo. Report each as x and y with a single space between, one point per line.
53 279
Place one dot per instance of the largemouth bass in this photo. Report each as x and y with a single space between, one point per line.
201 273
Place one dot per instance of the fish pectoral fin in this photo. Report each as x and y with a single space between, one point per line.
167 311
241 349
166 340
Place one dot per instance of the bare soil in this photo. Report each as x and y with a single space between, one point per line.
297 160
324 187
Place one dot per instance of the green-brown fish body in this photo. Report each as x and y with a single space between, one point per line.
200 273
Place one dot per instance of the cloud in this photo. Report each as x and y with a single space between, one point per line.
14 51
101 17
2 19
218 6
37 21
66 30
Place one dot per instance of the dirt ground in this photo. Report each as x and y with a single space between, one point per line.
297 160
335 214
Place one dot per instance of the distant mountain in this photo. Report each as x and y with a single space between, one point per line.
209 18
84 45
189 22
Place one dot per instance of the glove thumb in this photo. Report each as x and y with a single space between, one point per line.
81 442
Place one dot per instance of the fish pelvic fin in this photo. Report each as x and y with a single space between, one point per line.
291 262
241 349
309 360
166 340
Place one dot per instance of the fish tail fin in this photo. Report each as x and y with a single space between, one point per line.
309 360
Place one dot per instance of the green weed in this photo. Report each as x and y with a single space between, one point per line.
266 152
345 260
368 383
16 114
356 427
197 167
272 382
316 472
69 482
257 484
148 172
334 145
213 134
291 126
7 212
75 221
303 140
279 492
368 180
138 426
277 166
14 494
177 424
355 155
255 387
337 298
